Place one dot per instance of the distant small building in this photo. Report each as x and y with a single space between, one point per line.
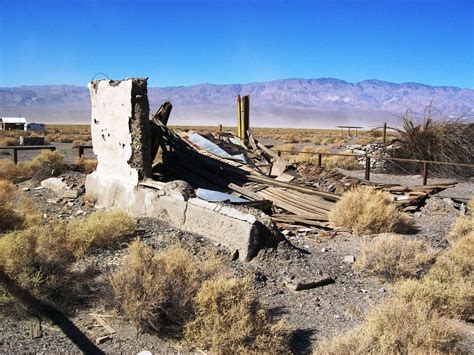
9 123
35 127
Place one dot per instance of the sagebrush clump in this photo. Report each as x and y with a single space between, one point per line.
46 164
156 290
85 165
9 170
393 257
175 294
448 287
365 210
39 257
398 327
99 230
230 319
16 211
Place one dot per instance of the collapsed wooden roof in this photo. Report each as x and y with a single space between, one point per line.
266 180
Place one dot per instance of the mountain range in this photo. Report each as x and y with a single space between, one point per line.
304 103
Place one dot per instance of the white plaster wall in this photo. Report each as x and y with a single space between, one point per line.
111 137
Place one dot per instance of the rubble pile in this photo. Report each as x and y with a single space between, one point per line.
378 149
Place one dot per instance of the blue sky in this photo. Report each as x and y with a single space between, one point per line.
188 42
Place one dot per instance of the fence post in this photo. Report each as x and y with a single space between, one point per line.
367 168
320 160
81 151
15 156
385 133
239 117
425 173
279 153
245 112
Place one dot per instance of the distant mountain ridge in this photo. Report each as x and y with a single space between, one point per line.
323 102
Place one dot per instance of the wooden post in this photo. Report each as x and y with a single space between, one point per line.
385 133
367 168
15 156
279 153
320 160
245 110
81 151
425 173
239 116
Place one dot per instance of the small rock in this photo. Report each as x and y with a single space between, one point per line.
349 259
79 212
26 189
144 352
382 290
52 200
55 184
323 250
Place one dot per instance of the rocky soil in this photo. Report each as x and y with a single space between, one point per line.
309 256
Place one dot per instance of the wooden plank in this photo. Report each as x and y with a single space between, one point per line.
103 323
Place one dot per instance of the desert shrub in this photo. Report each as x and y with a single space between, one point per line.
9 170
308 154
448 140
365 210
447 288
376 134
230 319
393 257
77 142
327 140
343 162
39 257
156 291
316 140
398 327
47 163
462 227
292 138
8 141
85 165
9 216
99 230
16 211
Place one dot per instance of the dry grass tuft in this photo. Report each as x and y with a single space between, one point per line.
230 319
393 257
461 228
9 217
99 230
85 165
156 291
398 327
8 141
343 162
36 257
368 211
448 287
46 164
39 256
9 170
16 211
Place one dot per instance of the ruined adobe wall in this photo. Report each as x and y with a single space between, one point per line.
120 129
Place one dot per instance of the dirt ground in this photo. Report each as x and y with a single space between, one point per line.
309 256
